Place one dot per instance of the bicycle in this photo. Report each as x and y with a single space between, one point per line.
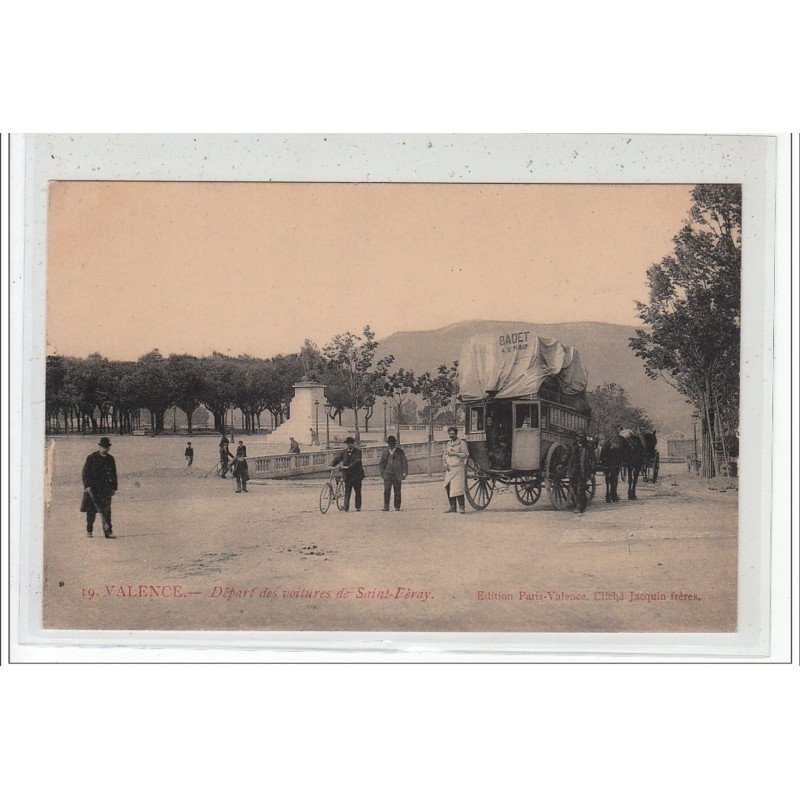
216 471
332 490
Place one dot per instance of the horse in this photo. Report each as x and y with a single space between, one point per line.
625 451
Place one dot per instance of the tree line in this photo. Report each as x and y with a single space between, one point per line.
693 317
96 394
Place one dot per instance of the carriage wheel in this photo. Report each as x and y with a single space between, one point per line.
480 487
528 490
655 467
556 471
325 498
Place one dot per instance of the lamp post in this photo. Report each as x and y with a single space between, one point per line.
174 426
327 428
384 419
695 418
316 418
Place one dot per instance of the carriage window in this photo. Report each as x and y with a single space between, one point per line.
527 416
476 419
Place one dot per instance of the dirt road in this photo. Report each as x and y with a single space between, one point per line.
192 554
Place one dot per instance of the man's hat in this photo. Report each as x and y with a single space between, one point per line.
391 439
349 440
105 441
452 428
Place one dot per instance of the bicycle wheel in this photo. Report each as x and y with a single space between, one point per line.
339 493
325 498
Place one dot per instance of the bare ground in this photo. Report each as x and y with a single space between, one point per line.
192 554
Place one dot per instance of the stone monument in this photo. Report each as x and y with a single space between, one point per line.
303 413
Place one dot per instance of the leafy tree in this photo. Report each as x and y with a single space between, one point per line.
612 411
693 315
284 372
87 385
440 392
452 409
354 356
154 381
398 388
187 376
66 382
258 386
130 392
218 387
337 394
55 400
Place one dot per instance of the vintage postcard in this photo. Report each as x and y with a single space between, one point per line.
375 392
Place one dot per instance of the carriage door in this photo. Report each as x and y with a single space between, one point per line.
525 446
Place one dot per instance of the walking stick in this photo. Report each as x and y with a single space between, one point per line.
98 509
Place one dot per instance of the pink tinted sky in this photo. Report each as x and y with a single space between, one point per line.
258 267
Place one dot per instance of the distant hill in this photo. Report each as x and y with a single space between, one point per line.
603 348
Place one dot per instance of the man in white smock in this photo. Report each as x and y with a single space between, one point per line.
455 464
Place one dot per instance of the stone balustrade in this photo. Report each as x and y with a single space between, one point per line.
318 461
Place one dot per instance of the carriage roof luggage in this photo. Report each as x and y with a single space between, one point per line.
522 364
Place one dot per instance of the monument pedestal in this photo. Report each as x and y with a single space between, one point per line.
303 411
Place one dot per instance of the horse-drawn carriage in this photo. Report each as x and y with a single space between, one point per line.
525 401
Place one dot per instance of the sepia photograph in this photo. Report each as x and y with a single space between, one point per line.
402 406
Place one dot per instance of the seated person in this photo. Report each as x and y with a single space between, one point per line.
499 453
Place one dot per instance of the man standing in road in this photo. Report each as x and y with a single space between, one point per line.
241 450
189 454
579 470
99 485
240 472
394 470
455 458
224 456
353 471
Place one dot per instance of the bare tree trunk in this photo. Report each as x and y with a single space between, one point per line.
398 413
710 428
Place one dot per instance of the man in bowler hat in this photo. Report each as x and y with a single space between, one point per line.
394 470
99 486
353 471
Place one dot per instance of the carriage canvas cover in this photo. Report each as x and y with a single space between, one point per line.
515 363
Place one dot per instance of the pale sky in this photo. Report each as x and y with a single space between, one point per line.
259 267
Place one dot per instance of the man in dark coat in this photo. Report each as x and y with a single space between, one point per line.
224 456
353 471
579 470
394 470
189 454
99 485
240 473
